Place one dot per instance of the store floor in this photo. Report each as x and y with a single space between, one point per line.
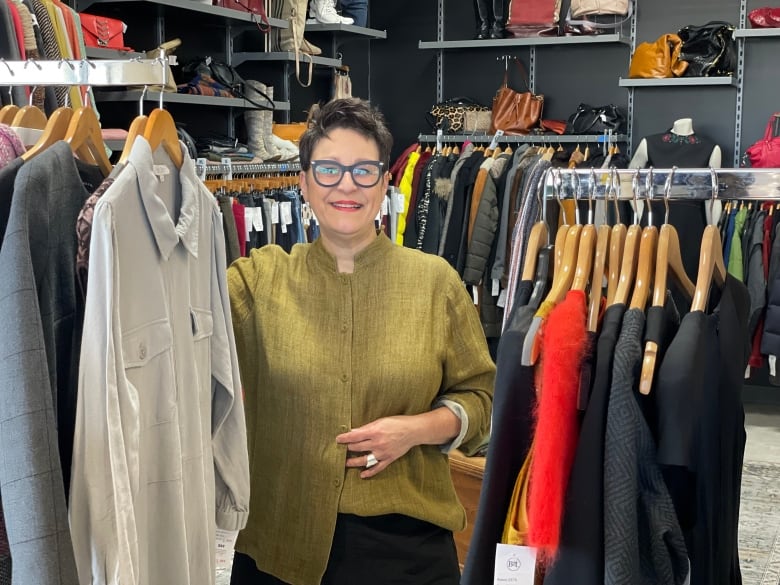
759 531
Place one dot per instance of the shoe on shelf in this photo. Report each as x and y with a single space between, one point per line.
324 12
288 150
309 49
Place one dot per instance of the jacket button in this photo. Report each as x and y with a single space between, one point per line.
336 482
343 327
343 428
142 351
344 377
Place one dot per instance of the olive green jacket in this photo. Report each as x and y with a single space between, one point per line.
322 352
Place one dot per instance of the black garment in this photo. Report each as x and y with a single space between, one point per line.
669 149
417 218
643 542
7 177
514 401
581 552
456 235
437 210
702 432
382 550
232 249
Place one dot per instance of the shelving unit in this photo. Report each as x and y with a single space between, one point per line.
191 6
98 53
134 95
750 33
526 42
526 139
351 29
678 82
239 58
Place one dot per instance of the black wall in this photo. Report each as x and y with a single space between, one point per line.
403 76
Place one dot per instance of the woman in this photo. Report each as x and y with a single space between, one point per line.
363 363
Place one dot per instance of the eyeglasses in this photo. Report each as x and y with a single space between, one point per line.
365 173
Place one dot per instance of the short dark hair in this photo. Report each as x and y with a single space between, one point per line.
351 114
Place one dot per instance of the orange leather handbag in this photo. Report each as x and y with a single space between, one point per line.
659 59
515 112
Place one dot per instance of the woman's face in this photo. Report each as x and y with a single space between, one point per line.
345 210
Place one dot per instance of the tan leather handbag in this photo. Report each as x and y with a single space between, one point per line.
580 8
515 112
659 59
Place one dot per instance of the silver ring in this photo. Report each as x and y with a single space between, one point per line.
371 460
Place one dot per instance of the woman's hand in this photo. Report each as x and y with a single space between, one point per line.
391 437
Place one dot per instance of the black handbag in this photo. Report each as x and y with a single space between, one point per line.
596 120
227 76
449 116
710 49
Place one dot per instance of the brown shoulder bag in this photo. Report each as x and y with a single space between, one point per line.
515 112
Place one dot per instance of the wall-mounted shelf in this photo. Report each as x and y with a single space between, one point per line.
190 6
756 32
530 138
98 53
347 28
526 42
679 82
239 58
180 98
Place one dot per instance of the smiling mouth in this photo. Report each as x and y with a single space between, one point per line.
347 206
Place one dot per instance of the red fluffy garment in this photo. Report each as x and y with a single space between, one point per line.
563 345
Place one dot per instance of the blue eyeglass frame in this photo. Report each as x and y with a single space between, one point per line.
348 169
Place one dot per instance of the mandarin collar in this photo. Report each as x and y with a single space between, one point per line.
369 255
166 234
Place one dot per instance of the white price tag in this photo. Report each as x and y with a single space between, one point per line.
200 164
228 162
385 207
475 293
496 287
257 219
773 365
275 212
515 565
226 542
285 209
400 201
249 215
501 302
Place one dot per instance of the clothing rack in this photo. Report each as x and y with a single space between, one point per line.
691 184
527 138
83 72
228 169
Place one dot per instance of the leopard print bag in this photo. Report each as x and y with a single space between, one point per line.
450 115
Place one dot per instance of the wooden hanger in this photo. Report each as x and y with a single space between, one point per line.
56 129
456 150
711 265
85 139
645 268
617 242
564 276
137 127
30 117
587 246
537 239
508 149
7 114
161 131
596 289
497 152
628 265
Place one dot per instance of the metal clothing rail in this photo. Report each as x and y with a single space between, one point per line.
692 184
529 138
229 170
83 72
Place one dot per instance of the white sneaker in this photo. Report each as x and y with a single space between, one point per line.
324 11
288 149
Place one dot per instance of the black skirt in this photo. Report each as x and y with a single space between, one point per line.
382 550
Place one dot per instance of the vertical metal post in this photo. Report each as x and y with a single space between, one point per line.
440 52
532 69
630 117
740 73
231 120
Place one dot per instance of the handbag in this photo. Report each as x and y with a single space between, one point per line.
170 82
227 76
476 121
765 153
255 7
580 8
102 32
658 59
765 17
530 18
596 120
515 112
449 115
710 49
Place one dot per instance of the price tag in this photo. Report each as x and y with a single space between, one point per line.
400 201
285 210
385 206
773 365
228 162
475 294
275 212
515 565
226 542
249 216
200 164
496 287
501 302
257 219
